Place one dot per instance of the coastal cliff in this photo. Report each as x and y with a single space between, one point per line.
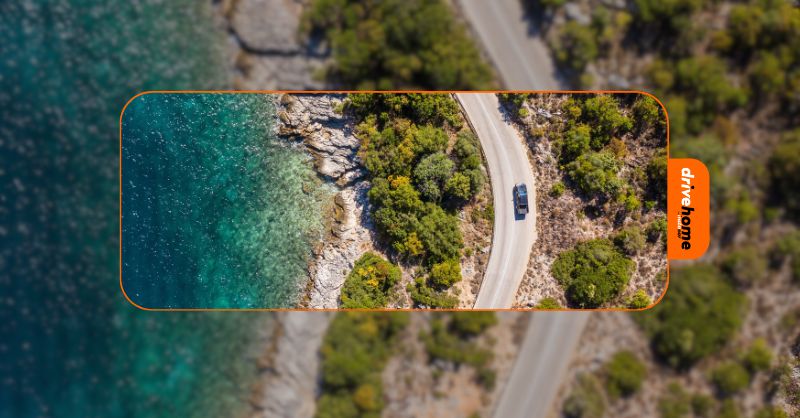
313 121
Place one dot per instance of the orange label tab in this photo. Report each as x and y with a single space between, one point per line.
687 208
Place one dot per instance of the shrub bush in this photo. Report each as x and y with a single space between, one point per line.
586 399
746 265
354 352
424 296
592 273
576 142
471 324
458 187
784 167
575 46
674 402
788 247
624 374
603 114
595 173
758 357
630 240
557 189
647 113
639 300
548 303
446 273
699 291
369 283
730 378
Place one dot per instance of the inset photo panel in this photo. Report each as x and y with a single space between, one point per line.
535 200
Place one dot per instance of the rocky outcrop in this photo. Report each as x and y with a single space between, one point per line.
289 369
267 50
312 120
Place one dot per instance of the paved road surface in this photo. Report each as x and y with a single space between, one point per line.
541 364
508 162
523 60
524 63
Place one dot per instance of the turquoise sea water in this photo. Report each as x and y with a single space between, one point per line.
71 345
216 211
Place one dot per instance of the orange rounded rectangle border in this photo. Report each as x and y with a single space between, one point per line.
699 196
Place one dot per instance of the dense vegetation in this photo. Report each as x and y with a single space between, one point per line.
728 73
624 374
418 183
452 339
354 353
593 273
370 282
695 292
586 400
396 44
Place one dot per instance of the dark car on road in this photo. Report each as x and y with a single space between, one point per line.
521 199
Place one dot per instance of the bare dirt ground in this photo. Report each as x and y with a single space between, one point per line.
415 388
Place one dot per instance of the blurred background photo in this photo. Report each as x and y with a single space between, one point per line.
724 342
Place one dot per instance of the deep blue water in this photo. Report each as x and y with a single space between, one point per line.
71 345
214 212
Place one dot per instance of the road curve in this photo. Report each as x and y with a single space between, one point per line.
508 162
522 59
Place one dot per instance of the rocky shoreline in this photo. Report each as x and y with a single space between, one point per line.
312 120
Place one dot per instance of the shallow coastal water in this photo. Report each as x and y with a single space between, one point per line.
217 212
71 345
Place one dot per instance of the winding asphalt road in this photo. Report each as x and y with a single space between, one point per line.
524 63
520 56
507 158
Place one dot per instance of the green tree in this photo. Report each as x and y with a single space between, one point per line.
595 173
369 283
431 173
466 151
647 112
353 354
459 186
375 47
440 234
767 75
593 273
576 142
429 139
624 374
446 273
575 46
699 291
603 114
